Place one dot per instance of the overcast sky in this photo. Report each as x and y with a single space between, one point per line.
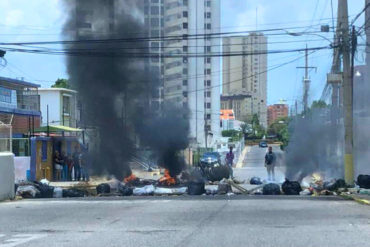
37 20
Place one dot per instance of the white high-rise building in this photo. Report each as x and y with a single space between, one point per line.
246 74
190 77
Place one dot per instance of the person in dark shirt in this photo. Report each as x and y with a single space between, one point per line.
76 157
270 160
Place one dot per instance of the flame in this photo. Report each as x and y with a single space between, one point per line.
167 179
130 178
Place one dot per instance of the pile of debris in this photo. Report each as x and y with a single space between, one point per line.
42 189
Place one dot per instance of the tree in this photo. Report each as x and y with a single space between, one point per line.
318 104
61 83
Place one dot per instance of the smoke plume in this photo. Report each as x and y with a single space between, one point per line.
115 86
315 146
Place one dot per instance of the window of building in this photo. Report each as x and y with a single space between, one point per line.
185 25
208 71
184 71
208 60
154 22
208 26
185 94
184 82
208 105
208 15
155 46
155 59
185 13
208 94
154 10
207 49
185 60
66 105
208 3
208 116
155 1
185 48
208 83
146 10
185 2
154 33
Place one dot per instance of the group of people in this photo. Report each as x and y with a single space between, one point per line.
70 167
270 163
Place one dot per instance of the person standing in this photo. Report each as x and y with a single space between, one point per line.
58 166
65 167
76 164
230 161
270 161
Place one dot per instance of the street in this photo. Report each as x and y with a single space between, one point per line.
188 221
185 221
253 165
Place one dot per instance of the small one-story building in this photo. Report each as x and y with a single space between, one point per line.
60 106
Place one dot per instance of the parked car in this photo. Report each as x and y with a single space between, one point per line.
263 144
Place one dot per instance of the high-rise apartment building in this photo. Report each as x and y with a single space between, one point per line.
246 74
190 78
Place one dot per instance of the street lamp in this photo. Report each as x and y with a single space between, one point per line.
324 29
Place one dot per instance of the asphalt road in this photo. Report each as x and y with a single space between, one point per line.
253 165
185 221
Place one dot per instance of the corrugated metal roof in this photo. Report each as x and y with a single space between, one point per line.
19 82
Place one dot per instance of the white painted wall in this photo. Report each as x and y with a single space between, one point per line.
6 176
51 98
21 165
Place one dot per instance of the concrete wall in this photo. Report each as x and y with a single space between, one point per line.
6 176
51 98
21 165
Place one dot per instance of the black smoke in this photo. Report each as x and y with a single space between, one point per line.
315 146
115 86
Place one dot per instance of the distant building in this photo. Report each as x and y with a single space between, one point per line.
241 104
62 105
227 119
246 75
19 105
277 111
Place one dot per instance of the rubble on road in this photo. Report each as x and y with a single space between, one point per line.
147 190
224 187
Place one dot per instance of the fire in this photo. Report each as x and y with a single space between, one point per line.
167 179
130 178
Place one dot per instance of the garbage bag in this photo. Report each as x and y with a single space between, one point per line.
45 190
103 188
334 185
125 190
58 192
216 173
271 189
255 180
73 193
27 191
291 187
196 188
363 181
144 191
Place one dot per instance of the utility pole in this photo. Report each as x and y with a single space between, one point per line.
347 94
306 82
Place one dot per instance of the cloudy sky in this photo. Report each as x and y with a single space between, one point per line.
41 20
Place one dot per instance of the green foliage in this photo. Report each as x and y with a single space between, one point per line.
318 104
257 130
233 134
280 128
61 83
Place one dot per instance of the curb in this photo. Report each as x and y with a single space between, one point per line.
356 199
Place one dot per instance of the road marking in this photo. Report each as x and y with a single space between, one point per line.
21 239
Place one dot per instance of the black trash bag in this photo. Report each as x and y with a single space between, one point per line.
271 189
103 189
46 191
216 173
255 180
291 187
335 185
363 181
125 190
196 188
73 193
